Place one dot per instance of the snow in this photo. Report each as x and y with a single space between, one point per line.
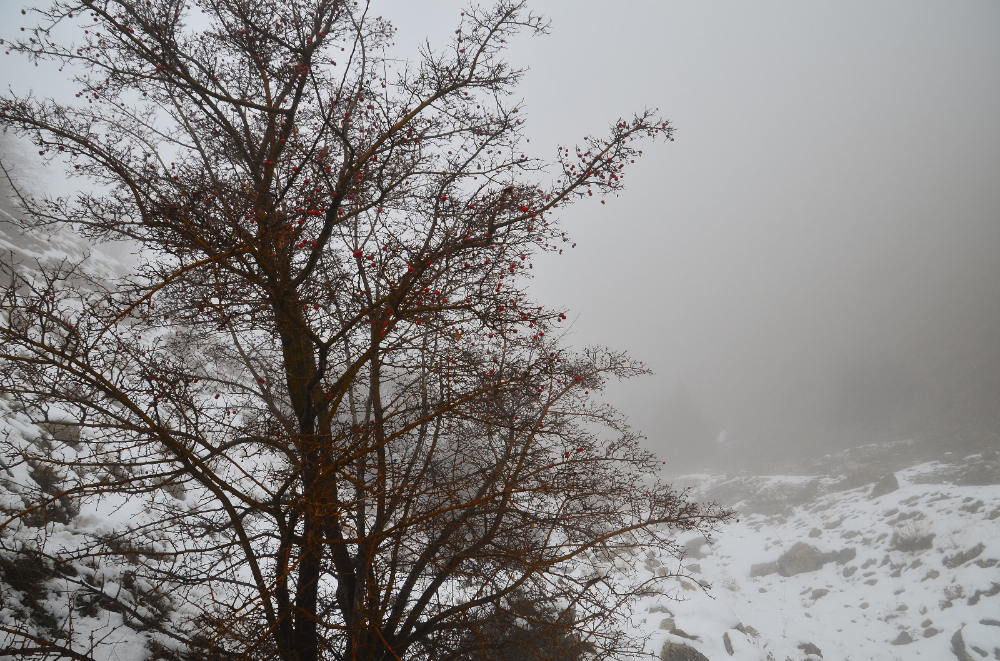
856 610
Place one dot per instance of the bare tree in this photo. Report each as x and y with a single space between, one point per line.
341 427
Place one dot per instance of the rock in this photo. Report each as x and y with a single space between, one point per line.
930 632
694 569
849 571
911 543
728 643
660 608
747 630
961 558
820 593
887 484
990 623
809 648
684 634
680 652
815 532
992 592
799 559
693 548
668 623
841 557
764 569
926 623
958 647
902 639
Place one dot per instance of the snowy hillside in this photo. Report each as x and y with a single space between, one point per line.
911 574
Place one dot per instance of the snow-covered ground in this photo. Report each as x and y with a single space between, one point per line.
901 594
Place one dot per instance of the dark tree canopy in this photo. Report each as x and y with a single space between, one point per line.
341 427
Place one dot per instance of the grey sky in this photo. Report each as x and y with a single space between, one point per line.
817 257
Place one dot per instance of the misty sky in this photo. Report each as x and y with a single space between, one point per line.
815 260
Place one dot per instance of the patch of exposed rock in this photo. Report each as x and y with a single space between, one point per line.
887 484
680 652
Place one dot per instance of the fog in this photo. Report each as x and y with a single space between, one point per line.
814 263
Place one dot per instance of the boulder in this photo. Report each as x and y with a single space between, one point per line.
728 644
668 623
887 484
902 639
799 559
680 652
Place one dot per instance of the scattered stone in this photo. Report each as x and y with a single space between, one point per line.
694 569
995 514
849 571
902 639
728 643
990 623
896 574
762 590
764 569
961 558
799 559
816 594
985 564
809 648
660 608
830 525
815 532
680 652
930 632
978 651
902 608
668 623
687 586
747 630
887 484
926 623
683 634
864 605
958 647
868 563
871 581
931 574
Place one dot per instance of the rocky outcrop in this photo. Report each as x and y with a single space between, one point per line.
680 652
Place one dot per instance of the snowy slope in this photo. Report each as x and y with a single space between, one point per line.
918 598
